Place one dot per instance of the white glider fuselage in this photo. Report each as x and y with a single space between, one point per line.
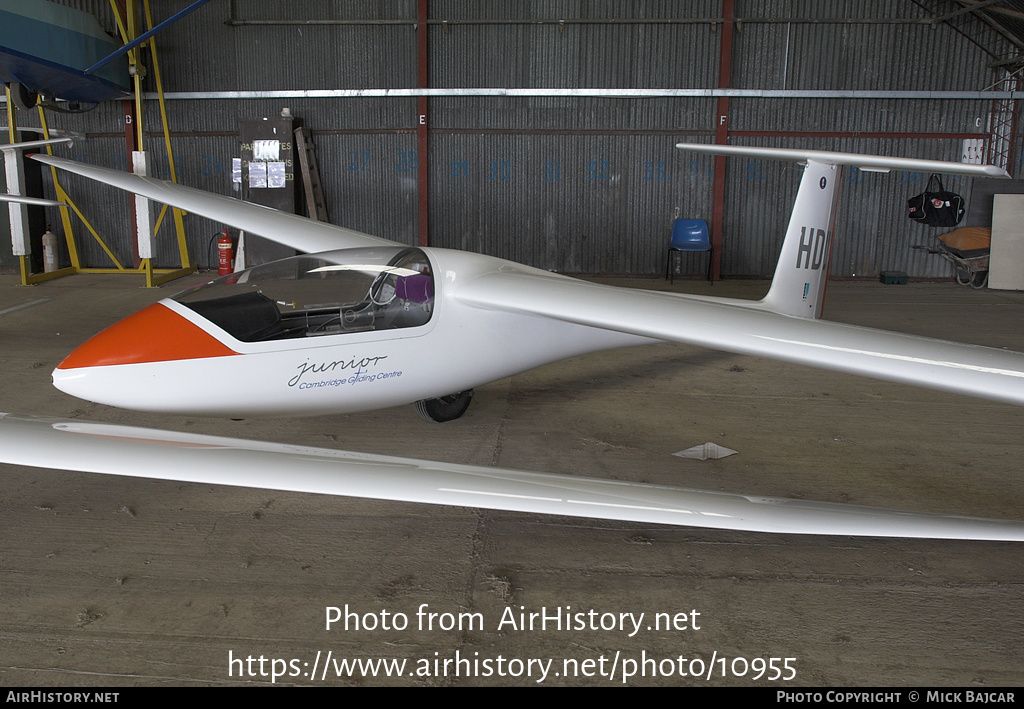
361 322
461 346
381 324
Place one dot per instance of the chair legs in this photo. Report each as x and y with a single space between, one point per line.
670 272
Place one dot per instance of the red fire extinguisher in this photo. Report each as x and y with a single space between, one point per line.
225 254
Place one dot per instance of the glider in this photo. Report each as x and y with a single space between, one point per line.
359 322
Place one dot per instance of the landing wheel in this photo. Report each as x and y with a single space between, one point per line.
22 97
446 408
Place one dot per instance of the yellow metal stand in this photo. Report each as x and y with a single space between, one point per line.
128 29
27 277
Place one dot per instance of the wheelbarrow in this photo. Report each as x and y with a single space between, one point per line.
970 265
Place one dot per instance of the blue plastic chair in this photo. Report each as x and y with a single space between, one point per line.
688 235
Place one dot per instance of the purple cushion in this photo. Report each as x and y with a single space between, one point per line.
418 288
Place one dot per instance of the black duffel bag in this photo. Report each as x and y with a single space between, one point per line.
936 207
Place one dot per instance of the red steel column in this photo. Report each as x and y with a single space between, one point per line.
721 134
422 127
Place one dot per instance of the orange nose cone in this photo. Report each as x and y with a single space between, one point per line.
155 334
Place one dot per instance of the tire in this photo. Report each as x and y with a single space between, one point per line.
445 408
22 97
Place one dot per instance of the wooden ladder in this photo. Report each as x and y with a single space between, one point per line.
316 205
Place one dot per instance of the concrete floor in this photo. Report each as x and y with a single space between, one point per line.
115 581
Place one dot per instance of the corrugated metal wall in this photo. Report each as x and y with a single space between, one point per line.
574 184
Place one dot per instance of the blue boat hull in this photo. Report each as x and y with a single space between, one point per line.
47 47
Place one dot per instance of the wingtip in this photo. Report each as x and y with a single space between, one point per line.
997 172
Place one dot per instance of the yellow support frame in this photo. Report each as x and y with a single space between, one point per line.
154 276
179 224
27 277
129 31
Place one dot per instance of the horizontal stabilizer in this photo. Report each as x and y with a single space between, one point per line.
873 163
168 455
40 201
33 144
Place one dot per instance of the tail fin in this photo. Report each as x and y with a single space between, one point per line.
798 287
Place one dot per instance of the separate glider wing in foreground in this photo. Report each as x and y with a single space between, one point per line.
368 323
117 450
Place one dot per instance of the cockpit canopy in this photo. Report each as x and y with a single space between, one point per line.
355 290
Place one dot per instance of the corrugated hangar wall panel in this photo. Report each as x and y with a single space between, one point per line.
614 225
572 203
759 197
325 10
876 57
455 10
625 55
271 57
822 9
370 182
567 115
843 115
